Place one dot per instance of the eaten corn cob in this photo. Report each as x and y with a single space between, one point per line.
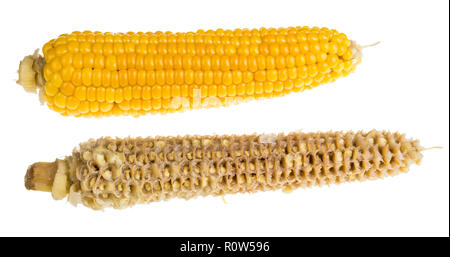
122 172
101 74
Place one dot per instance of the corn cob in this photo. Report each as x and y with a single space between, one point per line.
122 172
101 74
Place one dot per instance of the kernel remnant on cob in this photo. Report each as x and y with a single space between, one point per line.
122 172
101 74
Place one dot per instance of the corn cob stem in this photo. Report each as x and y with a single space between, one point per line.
122 172
40 176
31 72
370 45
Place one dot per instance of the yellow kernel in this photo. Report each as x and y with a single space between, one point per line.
156 104
86 76
91 94
136 92
146 105
156 92
66 73
66 59
106 107
72 102
100 94
260 76
55 65
60 100
50 55
55 80
124 105
348 54
136 104
88 60
271 75
47 72
141 77
111 63
118 97
132 77
73 47
77 77
323 67
123 78
268 87
231 90
80 93
227 78
51 90
221 91
109 95
67 89
99 61
83 107
94 106
96 77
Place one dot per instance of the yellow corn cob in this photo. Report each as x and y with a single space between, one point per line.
101 74
121 172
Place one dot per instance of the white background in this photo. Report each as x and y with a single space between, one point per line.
401 85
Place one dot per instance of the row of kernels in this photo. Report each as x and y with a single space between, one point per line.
196 49
198 37
137 107
210 37
124 78
81 41
162 106
304 36
156 86
75 107
105 77
149 188
134 108
128 46
117 95
61 103
220 31
69 61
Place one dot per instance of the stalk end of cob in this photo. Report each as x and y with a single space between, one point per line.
40 176
31 75
49 177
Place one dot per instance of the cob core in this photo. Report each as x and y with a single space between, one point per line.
119 173
101 74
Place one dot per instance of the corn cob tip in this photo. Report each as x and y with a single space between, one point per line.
40 176
31 75
357 51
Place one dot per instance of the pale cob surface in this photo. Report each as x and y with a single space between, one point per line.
122 172
102 74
